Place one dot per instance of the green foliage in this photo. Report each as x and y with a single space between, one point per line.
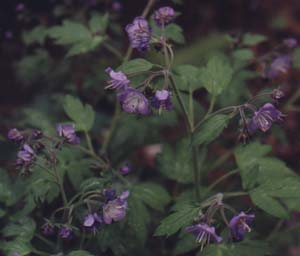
253 39
98 23
82 115
190 77
136 66
176 164
185 244
216 76
243 54
17 245
153 195
36 35
23 228
211 129
79 253
177 220
175 33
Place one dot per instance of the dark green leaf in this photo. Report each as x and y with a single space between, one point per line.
186 243
98 22
243 54
175 33
190 77
136 66
250 39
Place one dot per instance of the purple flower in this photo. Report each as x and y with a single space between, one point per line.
139 33
15 135
162 100
163 16
204 233
239 225
47 229
264 117
277 94
20 7
109 193
133 101
118 80
92 222
125 169
290 42
65 232
25 156
67 131
279 66
37 134
115 210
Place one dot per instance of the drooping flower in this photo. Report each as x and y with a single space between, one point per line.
25 156
15 135
109 193
67 131
37 134
279 66
162 100
65 232
125 169
115 210
290 42
204 233
133 101
92 222
119 80
164 16
239 225
264 118
139 33
47 229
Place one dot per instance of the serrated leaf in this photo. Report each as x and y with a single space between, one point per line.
268 204
135 66
17 246
85 46
216 76
211 129
176 164
36 35
185 244
70 32
92 184
152 195
175 33
98 22
250 39
189 77
177 220
82 115
243 54
79 253
24 228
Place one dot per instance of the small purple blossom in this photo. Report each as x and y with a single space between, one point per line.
139 33
92 222
115 210
162 100
109 193
239 225
279 66
25 156
133 101
47 229
119 80
125 169
20 7
67 131
164 16
204 234
15 135
264 118
290 42
37 134
65 232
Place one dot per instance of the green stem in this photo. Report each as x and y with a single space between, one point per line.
61 186
222 178
89 142
211 105
113 50
46 241
197 177
235 194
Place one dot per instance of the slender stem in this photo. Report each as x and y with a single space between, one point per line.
197 177
222 178
89 142
113 50
61 186
46 241
235 194
211 105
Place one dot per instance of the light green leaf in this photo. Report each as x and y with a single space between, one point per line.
175 33
177 220
216 76
17 246
136 66
250 39
190 77
98 22
92 184
243 54
36 35
23 228
82 115
152 195
85 46
211 129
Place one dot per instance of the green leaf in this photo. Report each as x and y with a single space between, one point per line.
98 23
177 220
79 253
185 244
250 39
216 76
82 115
268 204
176 164
85 46
175 33
36 35
190 77
70 32
211 129
243 54
136 66
18 245
92 184
153 195
23 228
